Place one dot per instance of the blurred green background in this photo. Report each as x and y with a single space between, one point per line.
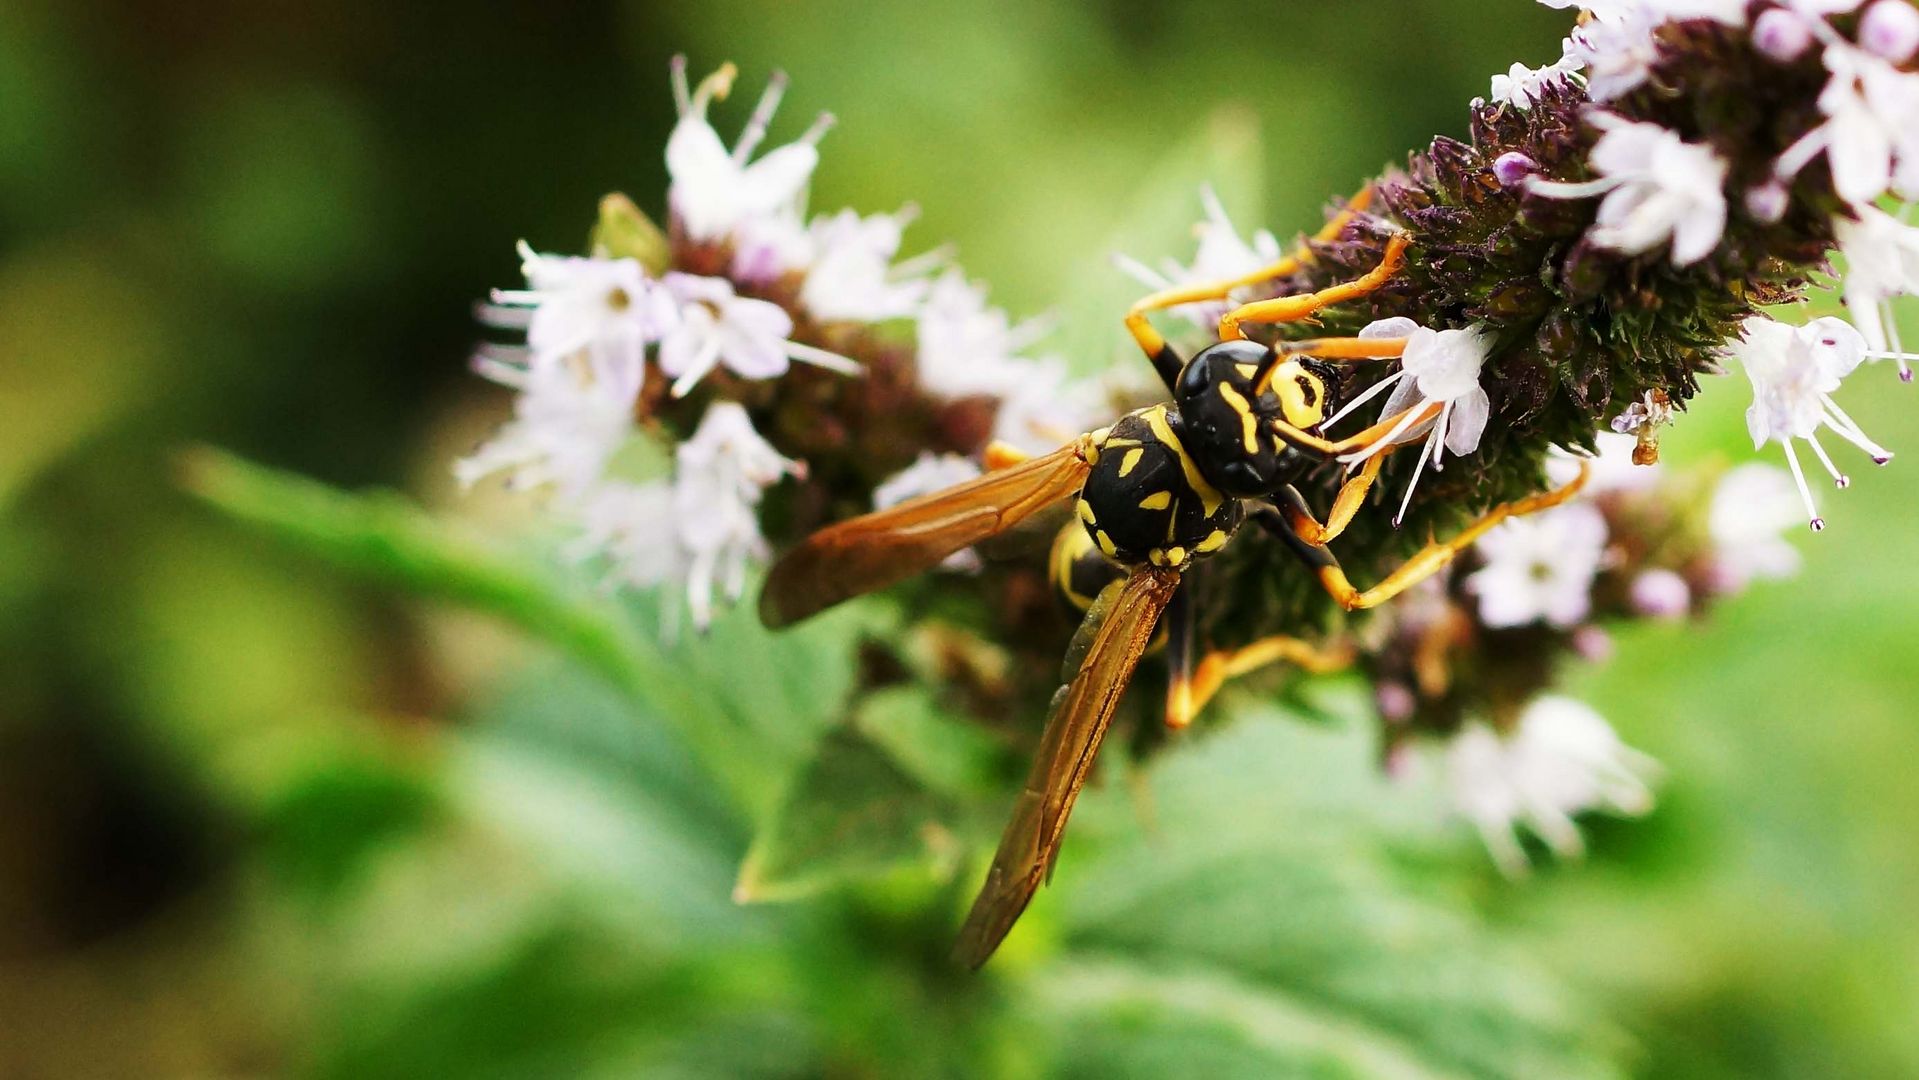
260 817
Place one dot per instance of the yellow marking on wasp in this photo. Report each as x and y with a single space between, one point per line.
1119 443
1209 497
1293 396
1085 511
1248 423
1214 542
1106 545
1156 557
1128 463
1246 371
1176 556
1071 542
1158 500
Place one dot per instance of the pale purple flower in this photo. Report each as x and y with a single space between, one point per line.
1540 568
1658 188
747 336
569 419
713 189
1438 367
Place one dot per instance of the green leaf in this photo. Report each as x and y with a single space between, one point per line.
384 537
853 814
942 752
1277 913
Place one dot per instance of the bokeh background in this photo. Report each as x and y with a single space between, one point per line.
262 817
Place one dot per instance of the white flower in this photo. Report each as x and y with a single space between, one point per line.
606 306
1882 263
719 476
967 347
1753 504
1520 86
1540 568
930 473
1444 368
569 419
1871 134
1562 759
713 190
1658 187
1794 371
631 527
852 277
1044 409
1221 254
748 336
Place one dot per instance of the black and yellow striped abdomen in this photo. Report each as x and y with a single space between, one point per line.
1146 501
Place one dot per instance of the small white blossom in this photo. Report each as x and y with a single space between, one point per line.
1752 506
1222 254
608 307
631 528
967 347
1045 409
930 473
1794 371
713 190
1882 264
1658 188
1871 134
718 327
569 419
1562 759
720 474
1540 568
1520 86
852 276
1438 368
1661 594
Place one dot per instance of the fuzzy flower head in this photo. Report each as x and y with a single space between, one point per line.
1561 759
1794 371
1222 254
747 336
1658 188
608 307
1540 568
713 190
1436 389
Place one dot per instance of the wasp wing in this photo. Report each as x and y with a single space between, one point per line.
887 546
1122 624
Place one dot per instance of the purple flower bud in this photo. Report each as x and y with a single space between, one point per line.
1890 28
1396 702
1768 201
1512 168
1661 594
1782 35
1592 644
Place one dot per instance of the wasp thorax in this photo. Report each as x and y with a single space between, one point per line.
1230 426
1147 501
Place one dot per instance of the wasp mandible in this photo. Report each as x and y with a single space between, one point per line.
1158 490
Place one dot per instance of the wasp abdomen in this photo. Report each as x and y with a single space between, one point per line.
1146 500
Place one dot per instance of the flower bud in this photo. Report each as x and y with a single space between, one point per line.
1781 34
1661 594
1890 29
1512 168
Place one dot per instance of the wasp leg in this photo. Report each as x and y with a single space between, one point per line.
1388 428
1431 559
1003 455
1352 495
1181 630
1293 308
1153 343
1224 664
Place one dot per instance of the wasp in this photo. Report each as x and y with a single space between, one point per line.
1155 492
